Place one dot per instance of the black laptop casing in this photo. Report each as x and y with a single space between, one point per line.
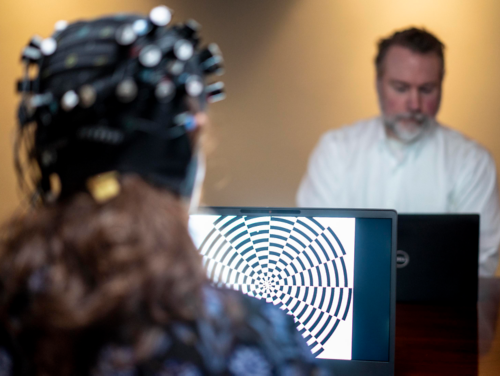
437 258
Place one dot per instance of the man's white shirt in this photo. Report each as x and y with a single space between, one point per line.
358 166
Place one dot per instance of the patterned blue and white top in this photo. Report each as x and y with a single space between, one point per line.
238 335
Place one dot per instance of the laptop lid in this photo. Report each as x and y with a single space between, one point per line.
437 258
332 269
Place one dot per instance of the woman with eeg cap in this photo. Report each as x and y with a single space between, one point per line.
100 276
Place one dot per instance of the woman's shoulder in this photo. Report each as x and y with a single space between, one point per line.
233 334
243 311
218 300
263 334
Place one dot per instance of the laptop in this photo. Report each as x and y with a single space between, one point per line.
437 258
332 269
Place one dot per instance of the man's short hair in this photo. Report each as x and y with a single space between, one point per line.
415 39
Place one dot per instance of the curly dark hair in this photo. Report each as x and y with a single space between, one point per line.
76 274
415 39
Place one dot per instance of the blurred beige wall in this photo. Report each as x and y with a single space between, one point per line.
295 68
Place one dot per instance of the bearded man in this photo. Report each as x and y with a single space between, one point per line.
405 159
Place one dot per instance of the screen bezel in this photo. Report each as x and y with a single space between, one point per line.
341 367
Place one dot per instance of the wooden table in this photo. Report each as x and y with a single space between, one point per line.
450 340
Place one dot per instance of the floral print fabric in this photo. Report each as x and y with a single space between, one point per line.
236 335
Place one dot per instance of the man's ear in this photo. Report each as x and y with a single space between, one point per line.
378 88
378 84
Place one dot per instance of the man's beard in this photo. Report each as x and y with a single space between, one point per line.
410 130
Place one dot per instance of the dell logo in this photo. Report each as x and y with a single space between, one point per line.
402 259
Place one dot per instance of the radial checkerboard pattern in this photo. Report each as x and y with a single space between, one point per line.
296 263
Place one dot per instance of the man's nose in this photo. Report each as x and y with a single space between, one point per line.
414 101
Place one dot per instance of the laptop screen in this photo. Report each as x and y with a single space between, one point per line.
330 269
